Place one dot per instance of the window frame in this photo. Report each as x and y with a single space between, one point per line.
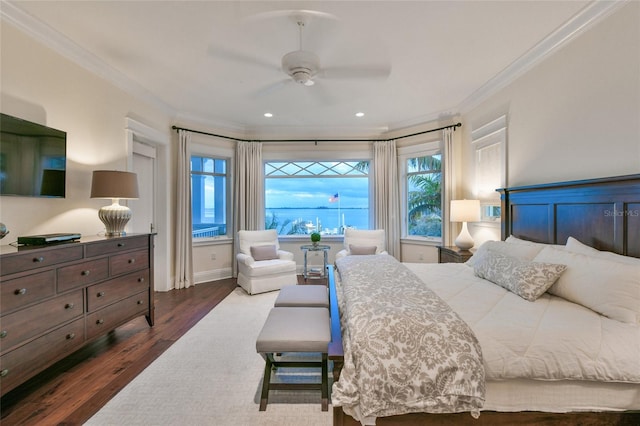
404 154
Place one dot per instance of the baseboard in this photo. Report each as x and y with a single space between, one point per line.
212 275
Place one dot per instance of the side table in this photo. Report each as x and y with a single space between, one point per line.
452 254
312 272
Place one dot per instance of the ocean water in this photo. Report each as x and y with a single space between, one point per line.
327 221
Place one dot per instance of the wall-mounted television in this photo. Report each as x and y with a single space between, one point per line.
33 159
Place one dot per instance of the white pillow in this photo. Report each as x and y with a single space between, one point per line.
515 240
519 251
528 280
361 250
268 252
608 287
577 247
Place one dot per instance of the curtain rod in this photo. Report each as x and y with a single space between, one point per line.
454 126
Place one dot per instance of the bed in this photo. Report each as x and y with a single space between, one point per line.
593 375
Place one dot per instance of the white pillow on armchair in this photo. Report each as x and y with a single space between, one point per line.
361 240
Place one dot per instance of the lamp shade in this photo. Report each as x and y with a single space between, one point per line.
114 184
465 211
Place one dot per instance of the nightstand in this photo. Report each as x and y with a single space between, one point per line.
452 254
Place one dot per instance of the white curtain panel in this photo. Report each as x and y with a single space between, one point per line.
184 258
387 193
449 179
249 192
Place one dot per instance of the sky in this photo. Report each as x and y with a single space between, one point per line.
315 192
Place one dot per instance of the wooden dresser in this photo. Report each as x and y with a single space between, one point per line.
56 298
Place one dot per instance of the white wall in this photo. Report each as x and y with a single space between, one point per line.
574 116
41 86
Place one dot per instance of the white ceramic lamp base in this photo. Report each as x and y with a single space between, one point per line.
115 218
464 241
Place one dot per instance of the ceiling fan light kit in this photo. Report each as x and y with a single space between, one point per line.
301 65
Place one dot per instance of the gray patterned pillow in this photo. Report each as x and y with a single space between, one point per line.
528 280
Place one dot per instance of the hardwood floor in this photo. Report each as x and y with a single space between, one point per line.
74 389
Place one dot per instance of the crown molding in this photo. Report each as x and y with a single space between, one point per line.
66 47
576 26
581 22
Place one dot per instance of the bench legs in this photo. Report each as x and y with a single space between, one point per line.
267 385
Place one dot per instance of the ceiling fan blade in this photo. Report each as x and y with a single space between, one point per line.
267 90
294 15
322 94
356 72
225 54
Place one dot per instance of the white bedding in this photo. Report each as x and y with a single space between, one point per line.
549 339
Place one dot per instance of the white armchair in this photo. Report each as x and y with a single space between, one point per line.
262 266
363 241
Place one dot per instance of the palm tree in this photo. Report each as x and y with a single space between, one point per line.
425 200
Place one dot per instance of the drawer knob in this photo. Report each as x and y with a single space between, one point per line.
3 334
100 321
20 291
140 302
69 306
38 259
140 280
4 373
100 294
85 273
71 336
132 261
120 244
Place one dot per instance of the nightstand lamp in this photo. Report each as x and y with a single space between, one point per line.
115 185
465 211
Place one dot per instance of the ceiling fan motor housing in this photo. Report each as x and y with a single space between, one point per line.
301 65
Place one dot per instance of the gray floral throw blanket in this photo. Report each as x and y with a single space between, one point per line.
405 349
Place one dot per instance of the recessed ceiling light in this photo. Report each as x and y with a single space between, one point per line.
268 114
359 114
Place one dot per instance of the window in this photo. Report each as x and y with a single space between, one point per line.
209 196
424 196
324 196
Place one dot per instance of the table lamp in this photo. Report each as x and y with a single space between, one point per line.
464 211
115 185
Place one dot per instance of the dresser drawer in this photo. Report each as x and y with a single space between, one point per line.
108 292
116 245
10 264
82 274
29 322
129 262
22 291
25 361
117 314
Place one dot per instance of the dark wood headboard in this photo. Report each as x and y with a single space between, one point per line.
603 213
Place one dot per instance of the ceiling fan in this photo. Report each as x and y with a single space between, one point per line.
303 66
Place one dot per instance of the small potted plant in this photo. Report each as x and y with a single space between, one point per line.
315 238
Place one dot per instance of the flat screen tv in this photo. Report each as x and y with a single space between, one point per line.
33 159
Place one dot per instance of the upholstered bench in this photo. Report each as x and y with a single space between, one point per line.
295 329
312 296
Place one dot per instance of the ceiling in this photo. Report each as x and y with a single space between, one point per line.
218 64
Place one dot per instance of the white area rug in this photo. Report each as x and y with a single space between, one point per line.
211 376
